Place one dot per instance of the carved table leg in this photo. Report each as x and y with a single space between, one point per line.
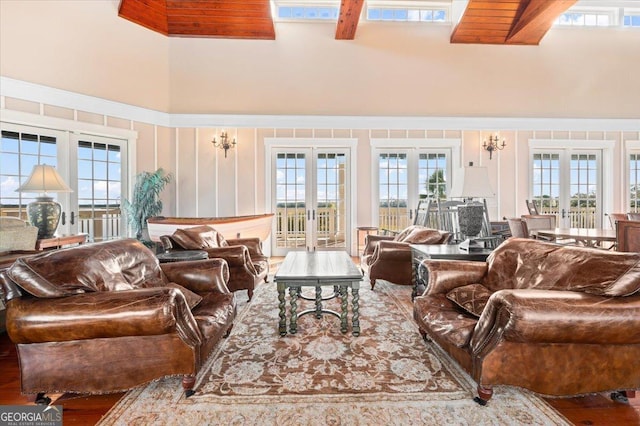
282 325
344 295
355 287
293 323
318 301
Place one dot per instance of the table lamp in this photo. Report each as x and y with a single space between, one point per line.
44 212
471 182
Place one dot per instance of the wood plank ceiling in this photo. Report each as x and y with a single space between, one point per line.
483 22
202 18
508 21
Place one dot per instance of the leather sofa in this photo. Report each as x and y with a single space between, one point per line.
388 257
248 266
106 317
557 320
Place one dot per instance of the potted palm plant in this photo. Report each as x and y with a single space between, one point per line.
145 202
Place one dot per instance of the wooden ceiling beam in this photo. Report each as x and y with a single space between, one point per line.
348 19
536 20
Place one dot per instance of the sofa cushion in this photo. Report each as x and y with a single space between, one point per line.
198 238
521 263
470 298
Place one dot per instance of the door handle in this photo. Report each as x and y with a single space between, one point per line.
314 215
563 213
73 218
308 214
63 218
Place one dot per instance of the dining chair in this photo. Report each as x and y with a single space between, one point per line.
628 235
614 217
531 206
534 222
633 216
517 227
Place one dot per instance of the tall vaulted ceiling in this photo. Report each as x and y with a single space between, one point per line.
483 21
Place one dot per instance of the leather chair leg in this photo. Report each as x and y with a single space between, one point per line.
484 394
188 381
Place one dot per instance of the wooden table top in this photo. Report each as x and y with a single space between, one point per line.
598 234
319 265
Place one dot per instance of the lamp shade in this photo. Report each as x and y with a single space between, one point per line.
471 182
44 179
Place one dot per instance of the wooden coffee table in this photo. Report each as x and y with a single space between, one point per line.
318 269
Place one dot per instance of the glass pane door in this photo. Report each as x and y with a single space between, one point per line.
330 194
101 181
290 201
393 210
311 188
566 183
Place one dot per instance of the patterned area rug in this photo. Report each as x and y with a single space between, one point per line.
386 376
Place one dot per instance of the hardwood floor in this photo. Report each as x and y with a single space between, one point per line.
592 410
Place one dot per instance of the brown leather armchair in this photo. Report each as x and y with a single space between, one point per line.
106 317
389 258
557 320
248 266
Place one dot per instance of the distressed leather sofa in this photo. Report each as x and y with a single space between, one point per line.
557 320
248 266
388 258
106 317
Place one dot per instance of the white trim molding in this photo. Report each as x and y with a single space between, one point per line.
56 97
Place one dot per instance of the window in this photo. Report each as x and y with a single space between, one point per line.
19 152
634 182
316 11
586 19
407 14
631 18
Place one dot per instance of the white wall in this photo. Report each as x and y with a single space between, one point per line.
398 69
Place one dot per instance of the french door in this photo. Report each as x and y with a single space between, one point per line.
405 177
99 174
568 184
94 167
311 198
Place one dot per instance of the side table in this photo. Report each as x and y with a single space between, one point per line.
367 230
420 252
60 240
182 255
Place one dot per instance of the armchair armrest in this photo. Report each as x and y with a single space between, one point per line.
392 251
371 241
445 275
234 255
549 316
199 276
140 312
253 244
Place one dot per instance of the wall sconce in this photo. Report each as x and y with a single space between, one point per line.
493 145
224 142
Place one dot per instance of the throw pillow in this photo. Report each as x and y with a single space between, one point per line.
471 298
421 235
193 299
